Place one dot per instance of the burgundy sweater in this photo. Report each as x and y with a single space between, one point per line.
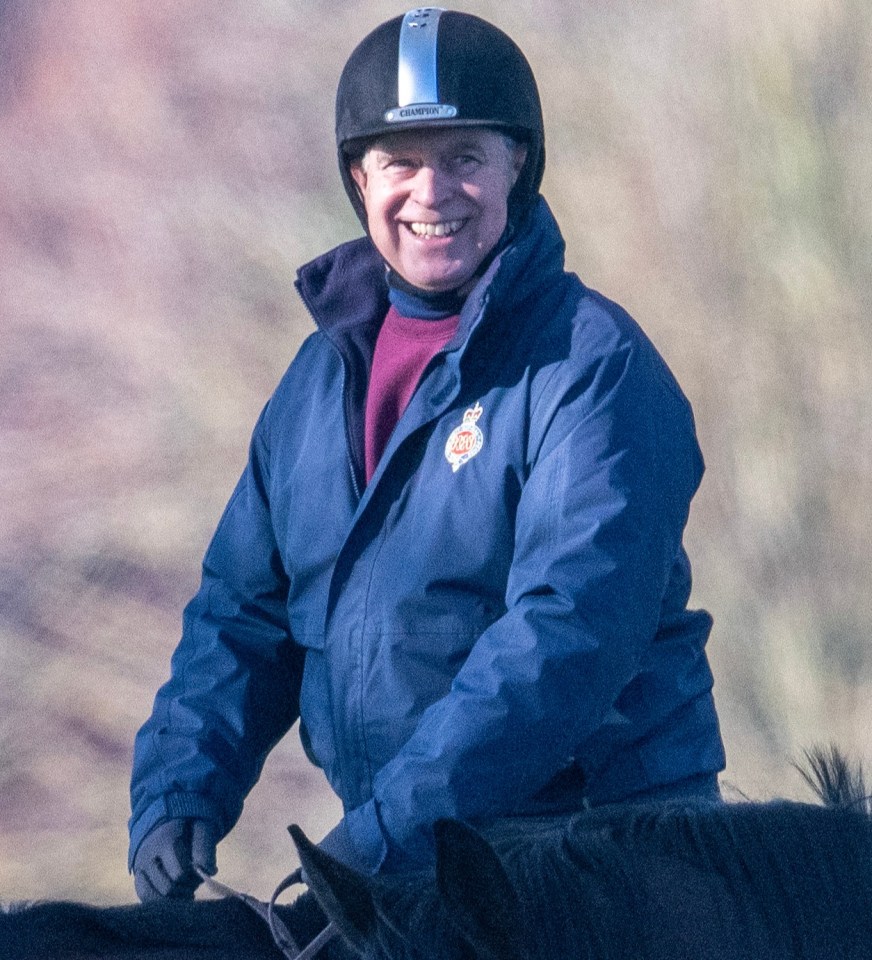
404 347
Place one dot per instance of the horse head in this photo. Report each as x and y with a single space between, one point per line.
467 908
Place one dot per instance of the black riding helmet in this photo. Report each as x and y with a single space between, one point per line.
435 67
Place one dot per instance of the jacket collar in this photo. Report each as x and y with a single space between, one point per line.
345 287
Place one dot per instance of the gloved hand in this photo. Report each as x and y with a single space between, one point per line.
164 863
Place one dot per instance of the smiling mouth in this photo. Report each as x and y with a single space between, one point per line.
446 228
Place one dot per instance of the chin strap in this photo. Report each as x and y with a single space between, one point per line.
266 911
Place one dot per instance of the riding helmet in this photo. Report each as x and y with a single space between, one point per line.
433 68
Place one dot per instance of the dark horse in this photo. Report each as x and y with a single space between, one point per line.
757 881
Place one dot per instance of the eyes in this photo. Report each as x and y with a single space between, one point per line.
462 163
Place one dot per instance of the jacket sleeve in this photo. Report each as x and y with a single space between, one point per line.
233 691
598 529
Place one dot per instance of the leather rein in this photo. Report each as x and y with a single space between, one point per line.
266 911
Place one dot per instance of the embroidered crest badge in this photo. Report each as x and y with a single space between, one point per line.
466 440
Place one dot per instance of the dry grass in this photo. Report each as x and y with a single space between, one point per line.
164 169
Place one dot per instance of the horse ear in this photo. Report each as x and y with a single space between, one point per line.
344 894
481 901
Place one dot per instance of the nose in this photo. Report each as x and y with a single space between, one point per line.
432 185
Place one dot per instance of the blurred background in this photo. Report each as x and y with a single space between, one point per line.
165 167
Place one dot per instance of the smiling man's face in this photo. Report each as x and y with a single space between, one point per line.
436 200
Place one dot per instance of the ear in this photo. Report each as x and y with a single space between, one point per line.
357 169
344 894
519 158
481 901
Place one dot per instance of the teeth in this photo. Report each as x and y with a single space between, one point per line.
444 229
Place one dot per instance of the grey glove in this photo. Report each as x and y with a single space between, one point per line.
164 863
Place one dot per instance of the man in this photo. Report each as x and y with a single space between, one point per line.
455 554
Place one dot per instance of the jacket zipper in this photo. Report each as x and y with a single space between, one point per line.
346 403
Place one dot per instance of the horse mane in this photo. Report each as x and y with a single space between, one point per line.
833 780
782 866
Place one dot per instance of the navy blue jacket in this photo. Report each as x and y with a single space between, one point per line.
497 623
